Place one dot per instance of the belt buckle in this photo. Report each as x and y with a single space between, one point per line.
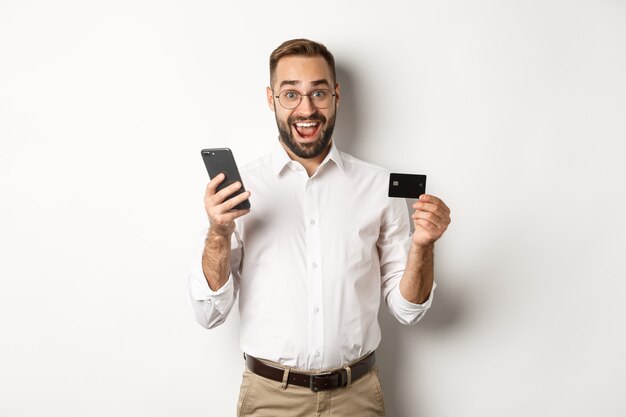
324 376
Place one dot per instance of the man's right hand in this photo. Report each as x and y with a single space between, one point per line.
220 211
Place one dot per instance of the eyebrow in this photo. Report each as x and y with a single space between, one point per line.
295 82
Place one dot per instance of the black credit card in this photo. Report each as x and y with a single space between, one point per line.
407 185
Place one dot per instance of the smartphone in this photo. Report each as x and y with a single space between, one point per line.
407 185
221 161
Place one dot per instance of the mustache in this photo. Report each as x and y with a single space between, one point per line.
316 117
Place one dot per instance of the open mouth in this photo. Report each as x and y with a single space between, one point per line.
307 130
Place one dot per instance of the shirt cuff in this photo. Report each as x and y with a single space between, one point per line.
199 290
408 310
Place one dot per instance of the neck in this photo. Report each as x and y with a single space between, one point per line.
310 164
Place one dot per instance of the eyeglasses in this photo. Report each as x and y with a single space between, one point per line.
290 99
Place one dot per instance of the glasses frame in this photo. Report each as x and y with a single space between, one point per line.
303 95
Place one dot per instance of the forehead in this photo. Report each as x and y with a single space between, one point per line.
303 70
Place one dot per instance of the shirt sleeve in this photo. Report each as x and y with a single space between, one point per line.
211 308
393 245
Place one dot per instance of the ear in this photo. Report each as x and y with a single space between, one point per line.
337 94
270 98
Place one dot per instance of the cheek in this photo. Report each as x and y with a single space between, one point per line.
329 117
285 116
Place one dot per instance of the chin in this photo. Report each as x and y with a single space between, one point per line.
307 148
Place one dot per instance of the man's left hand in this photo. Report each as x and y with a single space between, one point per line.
431 218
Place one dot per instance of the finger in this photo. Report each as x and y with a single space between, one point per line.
229 216
431 208
429 217
224 193
428 198
231 203
428 226
439 218
238 213
214 183
433 217
217 212
426 230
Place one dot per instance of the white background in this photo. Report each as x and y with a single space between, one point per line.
515 110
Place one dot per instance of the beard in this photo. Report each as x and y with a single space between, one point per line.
307 150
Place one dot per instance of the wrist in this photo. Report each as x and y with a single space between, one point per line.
422 249
214 236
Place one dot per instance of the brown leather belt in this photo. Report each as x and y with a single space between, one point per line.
316 382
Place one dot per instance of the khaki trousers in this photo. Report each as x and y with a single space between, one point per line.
262 397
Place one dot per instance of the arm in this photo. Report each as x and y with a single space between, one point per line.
431 219
418 278
216 259
212 290
216 255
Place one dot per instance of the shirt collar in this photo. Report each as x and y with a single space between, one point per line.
280 158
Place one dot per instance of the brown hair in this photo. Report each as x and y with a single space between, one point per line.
301 47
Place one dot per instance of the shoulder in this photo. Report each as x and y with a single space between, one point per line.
360 167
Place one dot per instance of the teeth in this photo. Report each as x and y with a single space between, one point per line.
310 124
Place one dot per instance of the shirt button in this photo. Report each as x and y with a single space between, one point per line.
317 354
314 265
312 222
316 309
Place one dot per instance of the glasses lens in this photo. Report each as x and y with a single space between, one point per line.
289 99
321 98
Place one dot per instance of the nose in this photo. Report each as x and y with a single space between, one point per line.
306 106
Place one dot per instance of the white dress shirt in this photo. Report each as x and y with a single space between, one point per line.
310 262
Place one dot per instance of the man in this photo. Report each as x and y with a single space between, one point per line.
313 255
